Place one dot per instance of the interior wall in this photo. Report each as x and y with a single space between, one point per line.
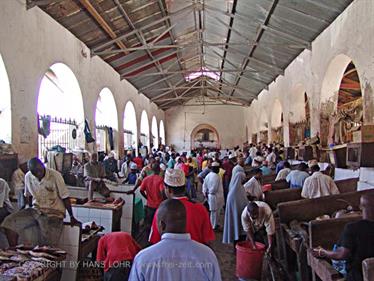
351 34
227 120
30 42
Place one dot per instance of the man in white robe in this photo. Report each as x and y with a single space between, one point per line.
213 191
318 185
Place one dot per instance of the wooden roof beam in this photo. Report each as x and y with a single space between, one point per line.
102 23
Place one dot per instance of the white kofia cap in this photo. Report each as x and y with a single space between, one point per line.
133 166
174 178
215 164
231 156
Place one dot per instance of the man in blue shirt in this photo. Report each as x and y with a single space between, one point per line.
297 177
176 256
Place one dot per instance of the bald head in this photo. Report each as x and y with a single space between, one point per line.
171 217
36 167
253 210
156 168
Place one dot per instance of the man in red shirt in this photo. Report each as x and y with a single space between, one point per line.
152 188
198 222
117 251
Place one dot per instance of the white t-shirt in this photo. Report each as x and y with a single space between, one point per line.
265 218
4 195
318 185
253 188
48 193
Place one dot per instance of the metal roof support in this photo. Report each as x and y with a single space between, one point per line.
233 12
165 18
174 88
181 95
157 82
231 15
257 39
142 39
230 28
131 49
103 24
186 72
153 61
166 31
164 13
220 84
168 92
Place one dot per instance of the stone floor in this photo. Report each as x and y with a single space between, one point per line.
226 258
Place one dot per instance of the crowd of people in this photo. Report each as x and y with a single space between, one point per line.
187 195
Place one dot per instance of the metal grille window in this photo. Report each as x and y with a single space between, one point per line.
100 138
144 139
60 133
129 140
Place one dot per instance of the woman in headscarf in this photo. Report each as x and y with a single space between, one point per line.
236 202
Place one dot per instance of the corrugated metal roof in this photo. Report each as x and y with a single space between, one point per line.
238 47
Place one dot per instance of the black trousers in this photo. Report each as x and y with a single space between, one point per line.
118 273
149 214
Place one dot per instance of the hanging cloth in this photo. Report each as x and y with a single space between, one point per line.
87 132
111 139
44 126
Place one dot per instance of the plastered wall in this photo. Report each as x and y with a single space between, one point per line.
30 42
227 120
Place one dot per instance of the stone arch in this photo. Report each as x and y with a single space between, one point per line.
333 76
5 105
60 104
144 129
106 116
130 126
154 130
162 132
202 127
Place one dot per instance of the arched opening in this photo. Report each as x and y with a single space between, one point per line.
144 134
277 122
130 129
60 110
205 136
5 105
263 128
341 102
299 116
162 133
154 129
106 120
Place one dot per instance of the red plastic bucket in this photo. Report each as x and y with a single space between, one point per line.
248 261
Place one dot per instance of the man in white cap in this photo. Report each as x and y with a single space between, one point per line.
198 223
213 191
